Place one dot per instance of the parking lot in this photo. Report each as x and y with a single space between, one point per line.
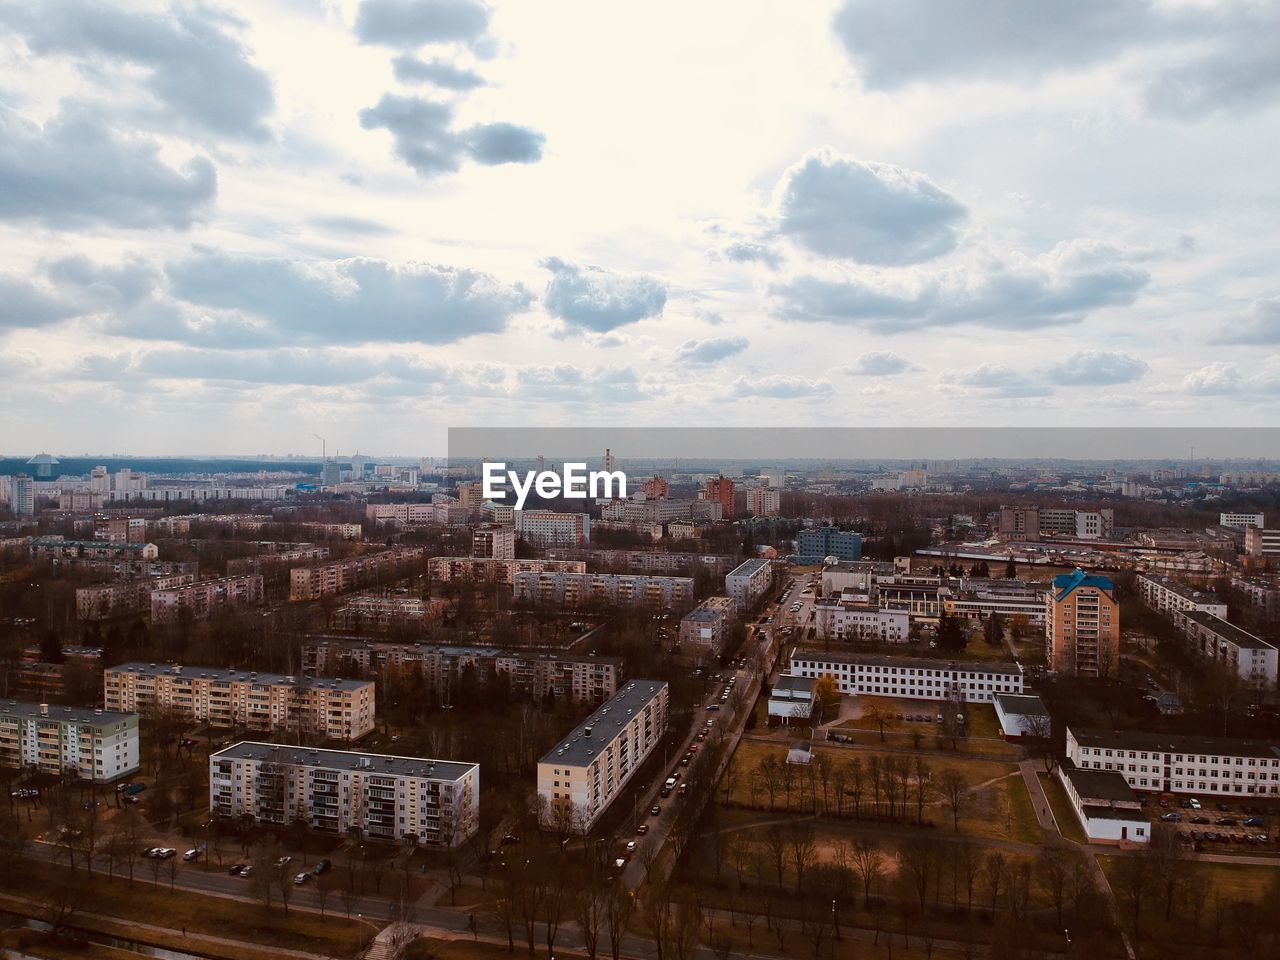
1239 825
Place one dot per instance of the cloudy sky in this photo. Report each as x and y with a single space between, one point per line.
225 227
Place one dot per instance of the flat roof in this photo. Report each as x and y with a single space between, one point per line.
1096 812
459 650
1174 743
790 686
374 763
1228 631
1109 786
748 568
578 748
919 663
1023 704
32 711
244 676
1184 590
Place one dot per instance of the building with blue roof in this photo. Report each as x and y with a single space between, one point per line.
1082 625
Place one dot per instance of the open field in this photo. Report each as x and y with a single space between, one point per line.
1068 823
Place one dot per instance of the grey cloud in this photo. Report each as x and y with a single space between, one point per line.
75 171
408 24
23 304
894 44
423 138
876 213
995 380
439 73
1260 325
879 363
104 285
745 251
590 298
1062 286
305 367
353 225
199 74
781 387
711 350
1092 368
1238 75
349 301
567 383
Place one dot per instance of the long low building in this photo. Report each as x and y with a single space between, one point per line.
1175 763
1170 596
648 561
105 600
1250 658
99 746
200 599
538 673
620 589
588 769
845 621
341 576
1022 715
1106 806
334 708
910 677
490 570
434 802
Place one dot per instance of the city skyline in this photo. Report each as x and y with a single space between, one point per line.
255 223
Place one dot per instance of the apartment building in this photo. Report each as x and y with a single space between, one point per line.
1242 520
492 541
1177 763
546 528
1082 625
120 529
978 598
341 576
1031 523
434 803
487 570
1105 805
535 673
816 545
385 613
106 600
846 621
617 589
22 495
1250 657
641 511
59 548
655 487
705 629
200 599
1258 592
338 709
649 561
764 501
1260 543
856 576
910 677
721 490
747 583
919 595
1172 596
1019 523
265 562
99 746
588 769
405 513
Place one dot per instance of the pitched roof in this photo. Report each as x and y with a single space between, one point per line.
1064 583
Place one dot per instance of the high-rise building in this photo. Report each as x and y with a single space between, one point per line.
721 489
98 745
764 501
22 496
1082 625
494 542
816 545
655 487
548 528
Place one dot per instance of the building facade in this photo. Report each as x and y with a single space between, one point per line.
1251 658
910 677
1170 596
436 803
817 545
1242 520
705 629
103 601
99 746
482 570
764 501
843 621
1174 763
1259 542
618 589
546 528
747 583
200 599
1082 625
341 576
588 769
337 709
494 542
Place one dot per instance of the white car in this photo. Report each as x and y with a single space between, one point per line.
301 878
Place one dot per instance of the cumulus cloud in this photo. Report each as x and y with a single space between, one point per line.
197 72
76 171
590 298
746 251
23 304
111 285
1238 75
439 73
879 363
876 213
564 382
348 301
409 24
781 387
994 380
305 367
1214 379
424 139
711 350
1018 292
1093 368
1260 325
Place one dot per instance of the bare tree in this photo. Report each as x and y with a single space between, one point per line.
993 869
868 865
955 791
802 847
775 842
619 907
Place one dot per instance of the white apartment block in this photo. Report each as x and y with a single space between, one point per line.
650 561
705 628
200 599
909 677
198 494
920 596
341 576
1242 520
1094 525
618 589
435 802
581 776
1264 594
536 673
107 600
851 622
1174 763
406 513
238 566
494 541
748 582
1171 596
1251 658
337 709
546 528
764 501
375 612
487 570
97 745
1261 543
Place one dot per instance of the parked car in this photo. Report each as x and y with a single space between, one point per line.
237 868
300 879
655 810
244 872
631 846
1226 822
1254 822
1170 817
322 866
164 853
1201 820
642 829
284 861
192 854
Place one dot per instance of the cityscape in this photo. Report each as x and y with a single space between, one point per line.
663 482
